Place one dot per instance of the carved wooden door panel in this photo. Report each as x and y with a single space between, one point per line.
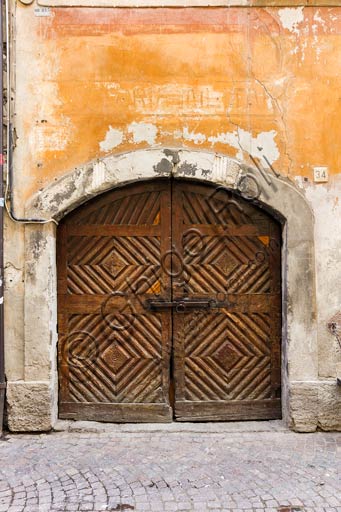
169 266
226 255
114 355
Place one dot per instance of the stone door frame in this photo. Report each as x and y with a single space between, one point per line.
33 402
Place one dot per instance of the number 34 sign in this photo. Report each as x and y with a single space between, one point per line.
320 174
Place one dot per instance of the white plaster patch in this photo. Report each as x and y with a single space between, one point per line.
317 42
112 139
143 132
269 103
299 180
318 19
196 137
51 137
326 204
291 17
98 174
226 170
244 141
265 141
135 165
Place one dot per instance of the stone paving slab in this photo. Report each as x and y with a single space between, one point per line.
273 471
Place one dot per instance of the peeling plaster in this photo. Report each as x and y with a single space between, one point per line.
318 19
196 137
320 23
113 138
143 132
291 18
244 141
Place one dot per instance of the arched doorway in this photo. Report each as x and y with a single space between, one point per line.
169 306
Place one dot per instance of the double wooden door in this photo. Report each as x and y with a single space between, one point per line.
169 306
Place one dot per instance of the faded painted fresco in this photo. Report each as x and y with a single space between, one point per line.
259 82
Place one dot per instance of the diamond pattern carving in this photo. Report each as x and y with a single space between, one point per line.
102 265
115 360
121 367
112 353
227 357
114 357
230 356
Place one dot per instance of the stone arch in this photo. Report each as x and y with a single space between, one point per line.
275 193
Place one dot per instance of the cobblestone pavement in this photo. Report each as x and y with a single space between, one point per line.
171 471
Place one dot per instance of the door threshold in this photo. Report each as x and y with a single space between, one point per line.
174 427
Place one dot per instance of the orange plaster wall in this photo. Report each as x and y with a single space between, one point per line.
93 81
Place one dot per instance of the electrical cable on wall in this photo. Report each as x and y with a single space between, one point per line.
8 204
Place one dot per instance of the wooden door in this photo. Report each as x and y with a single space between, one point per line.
114 355
227 356
169 266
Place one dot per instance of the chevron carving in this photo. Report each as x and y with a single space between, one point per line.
108 365
102 265
227 264
135 209
227 356
118 359
214 208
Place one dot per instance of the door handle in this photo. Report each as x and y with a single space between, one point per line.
180 305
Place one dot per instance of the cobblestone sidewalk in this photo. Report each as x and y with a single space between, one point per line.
171 471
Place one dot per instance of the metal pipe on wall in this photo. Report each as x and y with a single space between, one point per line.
8 192
2 204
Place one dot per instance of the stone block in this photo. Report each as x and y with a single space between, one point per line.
329 411
29 406
303 406
315 404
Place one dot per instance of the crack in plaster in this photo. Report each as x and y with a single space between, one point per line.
282 114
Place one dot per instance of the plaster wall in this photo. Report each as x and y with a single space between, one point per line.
258 85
